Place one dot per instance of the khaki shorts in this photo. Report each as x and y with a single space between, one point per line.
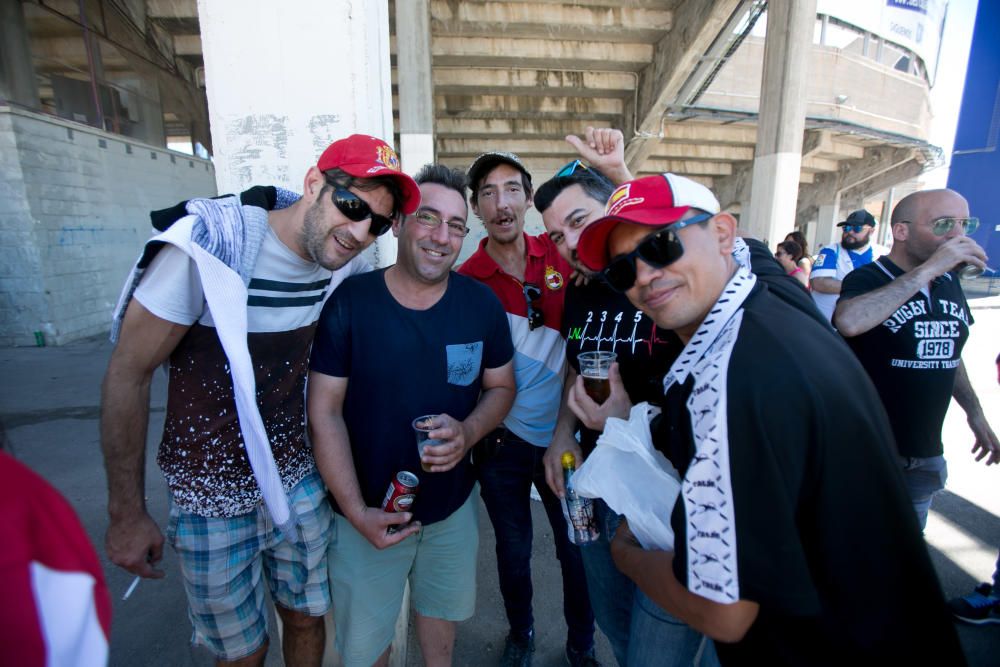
367 584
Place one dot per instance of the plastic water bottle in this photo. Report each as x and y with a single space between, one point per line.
579 511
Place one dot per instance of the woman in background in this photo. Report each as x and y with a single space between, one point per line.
805 262
788 254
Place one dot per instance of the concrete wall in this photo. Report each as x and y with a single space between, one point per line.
74 204
866 84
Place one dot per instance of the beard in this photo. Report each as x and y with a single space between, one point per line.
314 236
852 243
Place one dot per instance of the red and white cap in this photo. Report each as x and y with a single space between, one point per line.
653 201
363 156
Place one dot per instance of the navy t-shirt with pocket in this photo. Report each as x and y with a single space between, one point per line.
402 364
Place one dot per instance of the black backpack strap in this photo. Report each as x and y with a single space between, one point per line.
261 196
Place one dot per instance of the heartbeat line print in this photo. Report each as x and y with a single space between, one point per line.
580 334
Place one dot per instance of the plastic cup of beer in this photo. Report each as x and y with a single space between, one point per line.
594 368
968 271
423 426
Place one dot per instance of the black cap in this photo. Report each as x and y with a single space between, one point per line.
485 163
859 217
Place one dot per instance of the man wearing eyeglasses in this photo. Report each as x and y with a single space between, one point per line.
784 524
906 318
229 294
410 340
529 277
837 260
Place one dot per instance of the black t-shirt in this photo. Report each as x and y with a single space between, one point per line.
791 495
402 364
596 317
913 356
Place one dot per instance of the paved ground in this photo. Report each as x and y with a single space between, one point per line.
49 402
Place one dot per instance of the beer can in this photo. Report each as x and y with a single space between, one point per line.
401 493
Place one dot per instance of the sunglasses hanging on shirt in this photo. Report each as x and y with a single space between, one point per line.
532 295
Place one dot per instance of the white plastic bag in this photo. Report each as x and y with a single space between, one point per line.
633 478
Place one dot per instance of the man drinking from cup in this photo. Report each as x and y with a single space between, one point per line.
906 318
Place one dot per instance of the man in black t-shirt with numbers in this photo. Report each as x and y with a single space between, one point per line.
906 319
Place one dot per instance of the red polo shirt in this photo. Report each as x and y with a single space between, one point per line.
545 268
540 353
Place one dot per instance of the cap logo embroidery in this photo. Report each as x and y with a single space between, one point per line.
616 196
553 279
387 157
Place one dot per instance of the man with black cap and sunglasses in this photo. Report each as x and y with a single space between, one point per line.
838 259
529 277
784 524
230 294
907 319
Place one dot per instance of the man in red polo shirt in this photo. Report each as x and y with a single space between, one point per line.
529 277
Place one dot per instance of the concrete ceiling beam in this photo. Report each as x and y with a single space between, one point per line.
539 54
585 107
812 164
689 167
721 152
843 150
172 9
465 80
549 21
539 147
710 133
814 141
581 119
187 45
695 26
479 128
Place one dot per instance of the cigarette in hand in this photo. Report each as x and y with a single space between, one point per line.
135 582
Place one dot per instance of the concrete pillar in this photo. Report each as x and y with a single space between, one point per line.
778 157
318 72
416 85
17 75
826 225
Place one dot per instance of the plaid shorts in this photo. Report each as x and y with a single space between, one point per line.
222 559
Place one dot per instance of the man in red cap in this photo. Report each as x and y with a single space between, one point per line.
785 525
230 294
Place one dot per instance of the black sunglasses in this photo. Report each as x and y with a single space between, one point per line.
658 249
357 209
536 317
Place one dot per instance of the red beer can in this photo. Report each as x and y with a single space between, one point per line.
402 492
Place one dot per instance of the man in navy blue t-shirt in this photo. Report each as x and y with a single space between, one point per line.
411 340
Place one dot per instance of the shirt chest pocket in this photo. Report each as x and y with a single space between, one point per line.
464 361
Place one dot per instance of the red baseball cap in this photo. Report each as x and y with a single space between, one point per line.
363 156
653 201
